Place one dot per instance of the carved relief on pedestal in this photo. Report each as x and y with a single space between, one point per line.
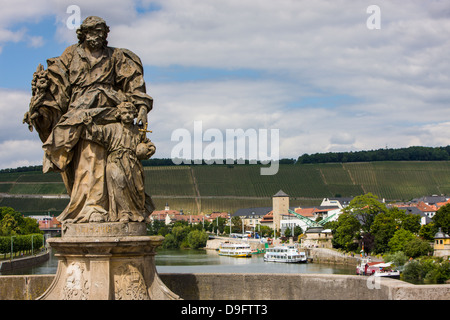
129 283
76 286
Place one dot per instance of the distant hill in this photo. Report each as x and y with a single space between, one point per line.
203 188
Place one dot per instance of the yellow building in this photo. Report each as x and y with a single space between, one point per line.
441 244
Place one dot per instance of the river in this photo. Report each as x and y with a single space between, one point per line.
208 261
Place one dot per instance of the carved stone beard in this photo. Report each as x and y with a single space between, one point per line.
94 43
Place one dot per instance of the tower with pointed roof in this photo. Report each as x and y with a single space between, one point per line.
280 203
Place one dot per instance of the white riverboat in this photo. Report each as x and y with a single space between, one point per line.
286 254
239 250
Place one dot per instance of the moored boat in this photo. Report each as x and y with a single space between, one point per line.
239 250
286 254
377 269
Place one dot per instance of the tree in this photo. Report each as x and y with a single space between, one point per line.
442 218
427 231
399 240
365 208
417 247
29 226
265 231
180 233
411 222
348 228
298 231
9 226
169 242
236 224
287 232
387 223
383 229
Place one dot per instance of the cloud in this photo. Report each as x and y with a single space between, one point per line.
320 75
19 153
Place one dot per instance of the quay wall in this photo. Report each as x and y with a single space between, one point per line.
213 244
202 286
330 256
24 262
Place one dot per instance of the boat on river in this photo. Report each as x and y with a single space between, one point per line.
238 250
377 269
286 254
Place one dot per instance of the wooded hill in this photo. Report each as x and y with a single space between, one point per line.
402 154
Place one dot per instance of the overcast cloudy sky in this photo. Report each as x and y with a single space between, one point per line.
312 69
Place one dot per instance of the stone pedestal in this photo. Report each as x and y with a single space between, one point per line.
106 261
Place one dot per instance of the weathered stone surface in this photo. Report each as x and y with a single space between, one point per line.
209 286
107 268
104 229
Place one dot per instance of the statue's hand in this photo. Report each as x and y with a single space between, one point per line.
87 119
142 116
27 119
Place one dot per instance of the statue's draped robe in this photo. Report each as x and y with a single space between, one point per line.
124 172
79 87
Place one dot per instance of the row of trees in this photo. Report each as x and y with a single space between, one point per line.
22 244
369 225
402 154
17 233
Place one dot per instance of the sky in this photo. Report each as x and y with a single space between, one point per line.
329 75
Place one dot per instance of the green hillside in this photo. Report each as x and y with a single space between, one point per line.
206 189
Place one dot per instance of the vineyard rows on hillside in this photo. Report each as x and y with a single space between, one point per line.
230 187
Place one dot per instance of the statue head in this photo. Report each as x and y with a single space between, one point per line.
94 31
126 112
128 106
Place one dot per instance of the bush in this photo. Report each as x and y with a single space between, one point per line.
169 242
430 270
197 239
398 258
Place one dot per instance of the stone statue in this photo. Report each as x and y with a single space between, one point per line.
90 109
74 108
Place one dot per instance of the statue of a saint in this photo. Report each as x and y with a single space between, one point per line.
89 81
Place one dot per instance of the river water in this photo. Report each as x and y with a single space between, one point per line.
208 261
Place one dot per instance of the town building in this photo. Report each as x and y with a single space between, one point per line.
251 217
48 224
169 216
317 237
441 244
339 202
426 207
